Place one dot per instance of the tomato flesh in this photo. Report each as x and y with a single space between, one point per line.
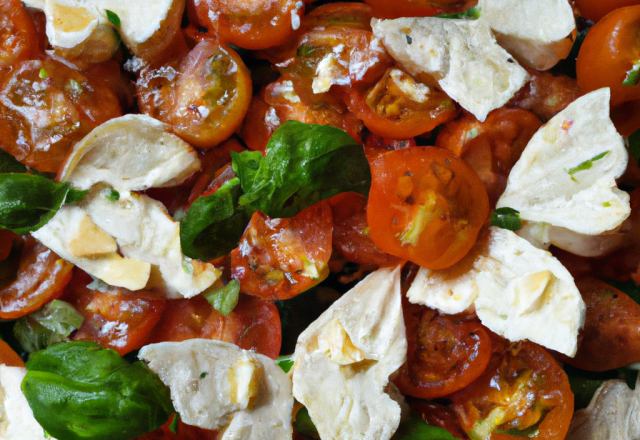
17 34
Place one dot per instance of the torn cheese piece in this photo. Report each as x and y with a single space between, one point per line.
519 291
539 33
144 231
130 153
16 418
613 413
68 226
216 385
462 55
344 359
566 174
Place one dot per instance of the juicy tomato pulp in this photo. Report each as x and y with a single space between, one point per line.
425 205
17 34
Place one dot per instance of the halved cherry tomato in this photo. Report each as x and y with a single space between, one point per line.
254 324
596 9
42 276
185 432
523 389
18 39
445 353
110 75
491 147
417 8
609 52
375 145
351 232
399 107
281 258
425 205
255 24
9 357
115 318
46 107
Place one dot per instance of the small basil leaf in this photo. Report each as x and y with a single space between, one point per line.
506 218
472 14
113 18
633 75
304 424
9 164
285 362
175 423
417 429
51 324
246 166
306 163
223 299
79 390
214 224
27 202
634 145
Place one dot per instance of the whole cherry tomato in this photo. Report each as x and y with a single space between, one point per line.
445 353
596 9
425 205
281 258
9 357
18 41
42 276
523 390
417 8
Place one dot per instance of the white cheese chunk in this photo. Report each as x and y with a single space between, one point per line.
344 359
537 32
216 385
131 153
16 418
566 174
462 55
519 291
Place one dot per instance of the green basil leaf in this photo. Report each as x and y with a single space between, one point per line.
80 390
304 424
113 18
417 429
223 299
634 145
9 164
305 163
27 201
173 427
285 362
633 75
214 224
506 218
471 14
51 324
246 166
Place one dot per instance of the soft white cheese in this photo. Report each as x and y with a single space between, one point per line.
519 291
537 32
462 55
344 359
216 385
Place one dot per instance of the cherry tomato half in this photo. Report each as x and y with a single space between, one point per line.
425 205
9 357
596 9
18 40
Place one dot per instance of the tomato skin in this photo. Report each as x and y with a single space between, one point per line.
254 324
185 432
42 276
9 357
281 258
445 353
595 10
18 40
417 8
425 205
608 53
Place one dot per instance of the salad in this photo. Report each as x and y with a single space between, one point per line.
408 220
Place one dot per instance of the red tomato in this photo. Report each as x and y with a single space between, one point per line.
46 107
6 243
42 276
417 8
116 318
522 388
608 52
254 324
596 9
9 357
391 109
375 145
445 353
110 75
185 432
18 40
491 147
426 206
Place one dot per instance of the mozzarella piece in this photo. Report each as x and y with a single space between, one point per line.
16 418
566 174
144 231
614 413
519 291
130 153
216 385
67 227
344 359
537 32
462 55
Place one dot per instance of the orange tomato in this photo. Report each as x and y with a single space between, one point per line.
281 258
9 357
18 40
445 353
596 9
375 145
417 8
425 205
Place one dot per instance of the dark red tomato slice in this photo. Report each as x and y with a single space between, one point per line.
523 390
445 353
398 107
18 40
185 432
116 318
9 357
46 107
425 205
254 324
281 258
42 276
417 8
596 9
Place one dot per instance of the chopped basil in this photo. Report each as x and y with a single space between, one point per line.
173 427
224 299
113 18
43 73
506 218
471 14
633 75
415 428
285 362
587 164
112 195
203 375
51 324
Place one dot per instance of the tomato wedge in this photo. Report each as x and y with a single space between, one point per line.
425 205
